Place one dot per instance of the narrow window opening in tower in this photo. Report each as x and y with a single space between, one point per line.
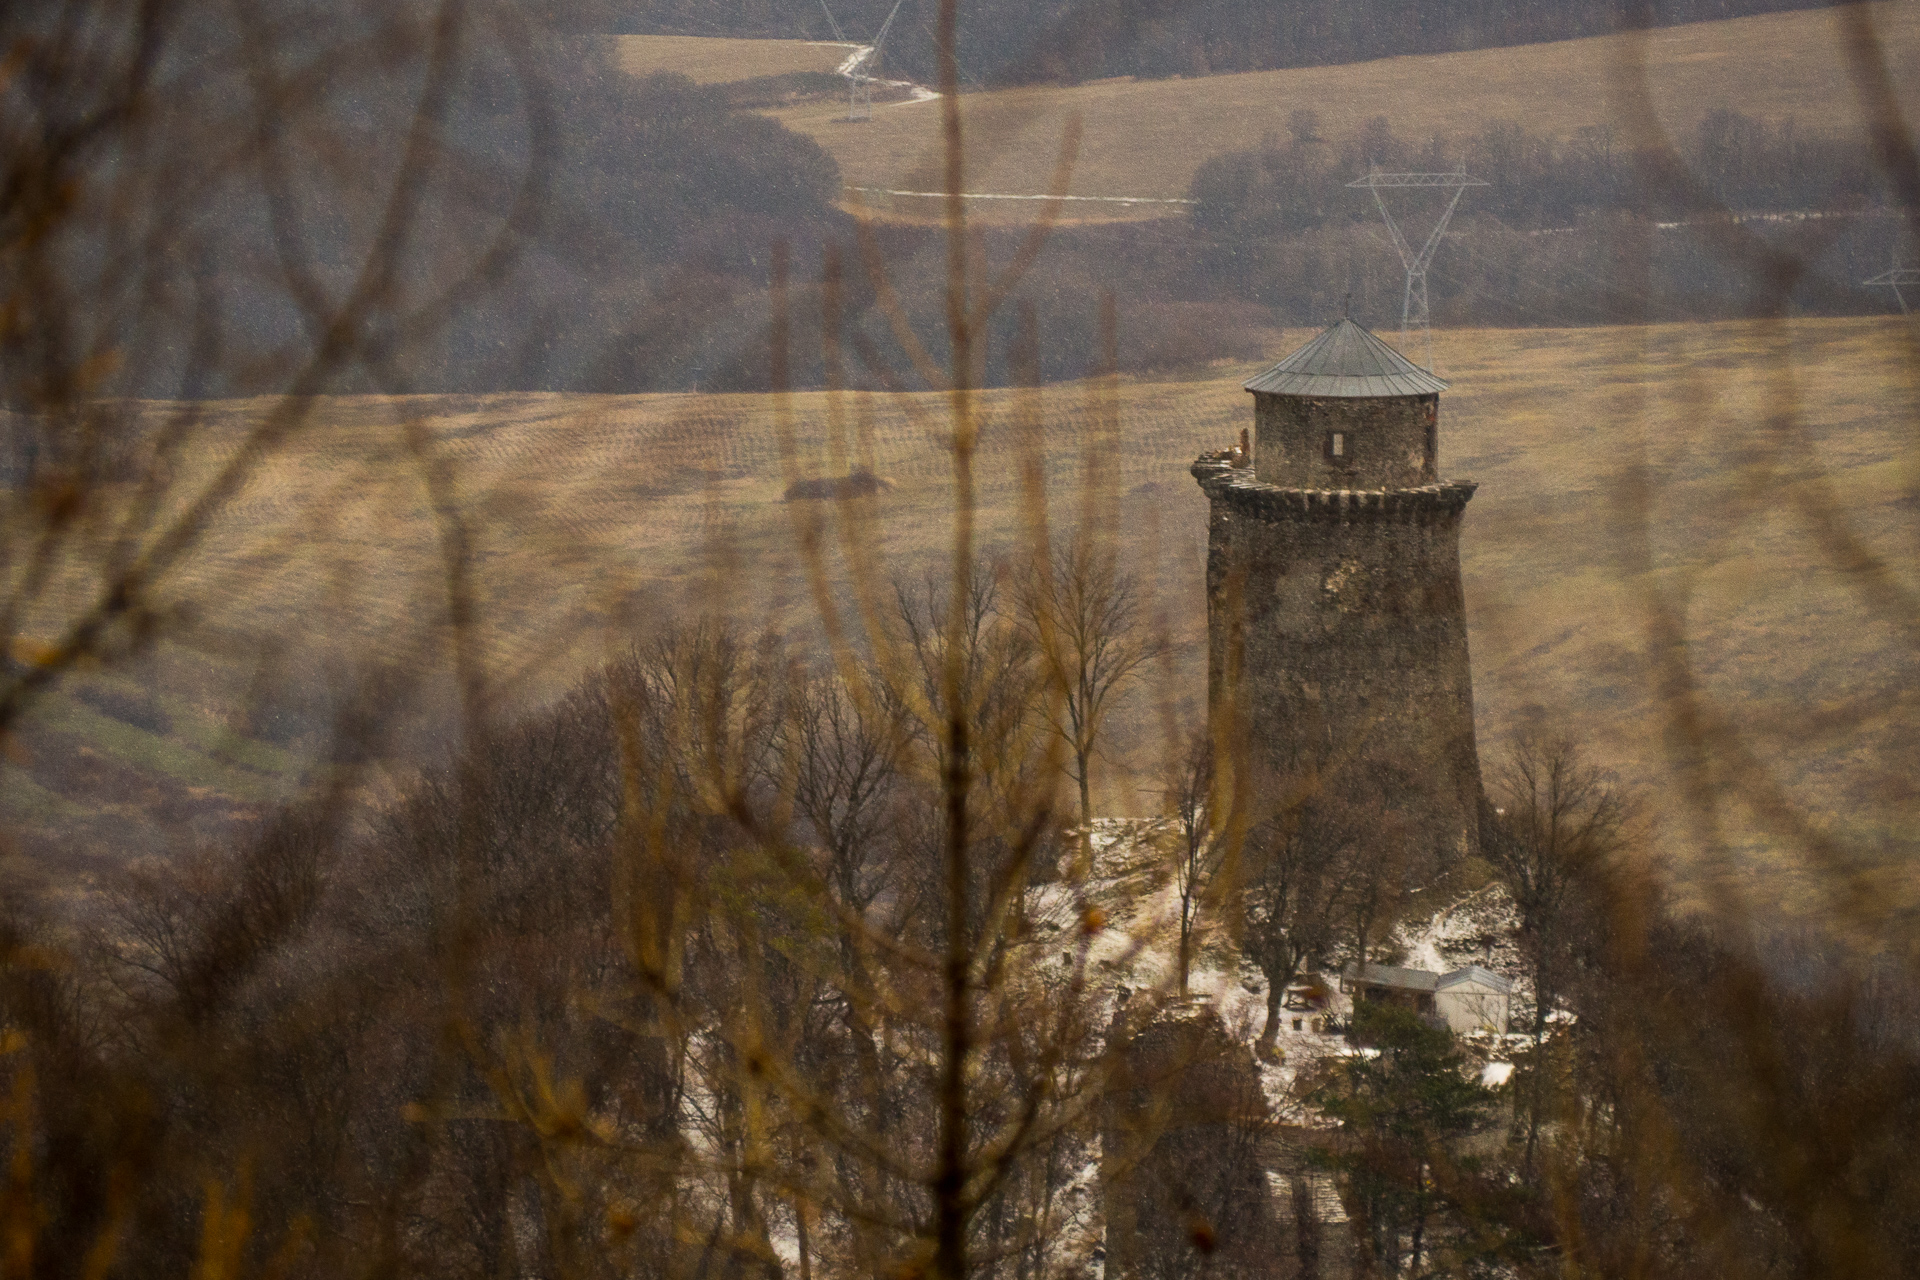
1336 444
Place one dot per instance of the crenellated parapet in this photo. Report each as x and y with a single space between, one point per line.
1242 493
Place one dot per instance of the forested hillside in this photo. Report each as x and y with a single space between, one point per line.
645 984
568 209
1018 42
663 193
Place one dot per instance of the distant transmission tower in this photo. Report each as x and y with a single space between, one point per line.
859 76
859 95
1894 279
1413 310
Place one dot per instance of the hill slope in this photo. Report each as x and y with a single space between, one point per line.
593 517
1145 138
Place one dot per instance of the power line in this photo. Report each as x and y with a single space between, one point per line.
859 79
838 34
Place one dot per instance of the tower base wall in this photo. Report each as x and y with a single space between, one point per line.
1338 649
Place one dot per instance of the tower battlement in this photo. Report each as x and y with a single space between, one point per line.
1244 493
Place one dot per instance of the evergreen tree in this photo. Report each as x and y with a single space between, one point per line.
1403 1104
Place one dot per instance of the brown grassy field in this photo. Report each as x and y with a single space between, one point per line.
1146 138
720 60
596 517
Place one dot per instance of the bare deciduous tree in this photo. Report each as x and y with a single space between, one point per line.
1549 843
1300 866
1200 850
1082 611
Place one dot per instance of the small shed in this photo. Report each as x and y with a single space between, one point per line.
1474 999
1466 1000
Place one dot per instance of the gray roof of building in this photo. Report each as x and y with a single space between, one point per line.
1474 973
1346 361
1386 975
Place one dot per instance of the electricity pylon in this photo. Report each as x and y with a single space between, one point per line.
1413 309
859 82
1894 279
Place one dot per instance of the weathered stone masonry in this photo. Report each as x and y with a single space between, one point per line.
1336 621
1392 442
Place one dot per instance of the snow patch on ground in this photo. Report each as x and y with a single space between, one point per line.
1114 923
1480 928
852 67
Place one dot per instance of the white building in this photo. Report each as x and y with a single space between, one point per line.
1467 1000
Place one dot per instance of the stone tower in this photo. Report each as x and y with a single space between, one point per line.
1337 637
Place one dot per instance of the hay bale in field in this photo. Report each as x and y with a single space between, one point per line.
858 483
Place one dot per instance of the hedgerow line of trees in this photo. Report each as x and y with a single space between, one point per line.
1730 162
1547 241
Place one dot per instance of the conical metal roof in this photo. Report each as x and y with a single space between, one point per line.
1348 361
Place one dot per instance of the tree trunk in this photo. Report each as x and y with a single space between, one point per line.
1306 1229
1086 790
1279 977
1270 1034
800 1212
1536 1089
1360 1225
950 1255
1186 940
